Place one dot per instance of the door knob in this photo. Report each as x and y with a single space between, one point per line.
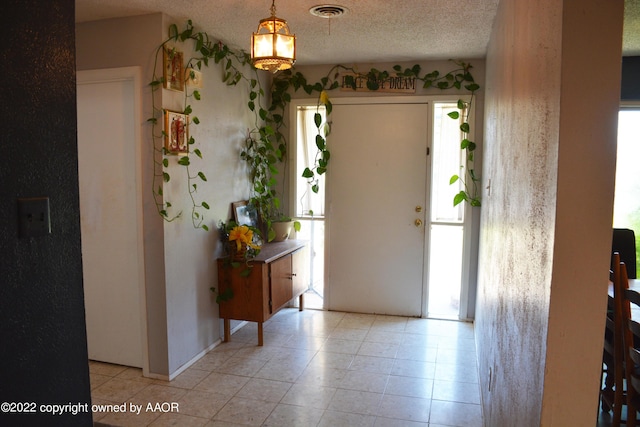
418 222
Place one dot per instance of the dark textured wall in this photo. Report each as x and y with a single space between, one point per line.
43 355
630 78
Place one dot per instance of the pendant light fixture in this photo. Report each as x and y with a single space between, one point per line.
273 47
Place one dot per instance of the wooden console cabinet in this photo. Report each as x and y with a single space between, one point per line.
277 276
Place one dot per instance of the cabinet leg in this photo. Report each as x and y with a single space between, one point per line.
227 330
301 302
260 337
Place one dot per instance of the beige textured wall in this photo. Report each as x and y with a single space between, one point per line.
546 225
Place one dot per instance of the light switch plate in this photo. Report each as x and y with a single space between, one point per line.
33 217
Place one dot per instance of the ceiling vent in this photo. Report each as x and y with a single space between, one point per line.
328 11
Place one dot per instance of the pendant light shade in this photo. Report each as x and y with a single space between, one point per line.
273 47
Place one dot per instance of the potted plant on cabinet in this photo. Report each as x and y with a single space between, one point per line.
282 227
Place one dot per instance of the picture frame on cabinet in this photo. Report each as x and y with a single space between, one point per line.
243 215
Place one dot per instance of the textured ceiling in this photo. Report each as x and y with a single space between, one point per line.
371 30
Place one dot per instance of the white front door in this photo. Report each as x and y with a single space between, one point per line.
376 199
110 219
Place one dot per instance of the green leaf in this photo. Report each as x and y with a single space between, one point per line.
453 179
164 213
166 177
320 142
315 188
173 31
196 120
308 173
196 95
252 105
465 127
188 110
202 176
459 198
461 104
317 119
454 115
263 114
464 144
205 227
197 152
205 205
184 161
165 162
472 88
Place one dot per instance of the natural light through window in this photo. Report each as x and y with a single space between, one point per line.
446 225
626 210
310 206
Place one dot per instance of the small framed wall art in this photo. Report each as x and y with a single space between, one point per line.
176 132
173 69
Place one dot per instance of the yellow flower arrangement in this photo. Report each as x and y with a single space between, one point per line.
242 234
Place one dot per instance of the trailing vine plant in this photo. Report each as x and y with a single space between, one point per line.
161 155
458 78
266 145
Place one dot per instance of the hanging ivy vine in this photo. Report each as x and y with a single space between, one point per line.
266 145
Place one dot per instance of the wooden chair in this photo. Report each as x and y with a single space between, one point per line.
613 395
631 333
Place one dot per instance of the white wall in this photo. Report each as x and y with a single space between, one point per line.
179 260
550 131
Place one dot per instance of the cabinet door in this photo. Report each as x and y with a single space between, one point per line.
281 285
249 300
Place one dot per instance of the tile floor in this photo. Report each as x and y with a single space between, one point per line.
317 368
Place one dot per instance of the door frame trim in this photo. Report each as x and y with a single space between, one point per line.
467 223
